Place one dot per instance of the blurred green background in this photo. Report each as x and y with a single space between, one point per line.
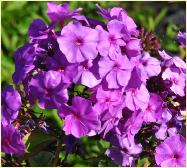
165 18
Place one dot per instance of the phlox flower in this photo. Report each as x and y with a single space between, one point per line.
117 70
172 152
11 103
80 118
11 140
78 43
49 89
178 81
111 40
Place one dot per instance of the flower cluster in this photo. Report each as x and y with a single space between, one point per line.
128 88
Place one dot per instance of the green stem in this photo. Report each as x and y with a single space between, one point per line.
58 149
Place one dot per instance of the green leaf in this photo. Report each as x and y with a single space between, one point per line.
35 139
49 114
16 6
5 39
7 69
144 162
79 88
151 24
42 159
160 16
103 145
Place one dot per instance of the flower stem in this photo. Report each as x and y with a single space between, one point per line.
55 161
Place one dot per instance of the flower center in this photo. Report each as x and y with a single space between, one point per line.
107 100
116 66
149 109
62 69
79 41
175 156
175 81
133 91
77 115
112 39
85 67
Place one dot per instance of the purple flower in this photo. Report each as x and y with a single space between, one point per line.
137 98
182 38
38 30
110 119
107 99
49 89
87 74
172 152
11 140
120 157
153 110
78 43
11 103
117 70
172 62
80 118
133 47
24 63
132 124
59 63
110 42
105 13
58 13
178 81
146 65
119 14
164 130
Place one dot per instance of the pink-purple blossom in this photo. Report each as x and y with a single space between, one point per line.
78 43
110 41
116 70
80 118
11 103
172 152
11 140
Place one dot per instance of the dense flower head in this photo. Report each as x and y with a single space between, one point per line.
103 82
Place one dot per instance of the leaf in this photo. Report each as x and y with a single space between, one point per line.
79 88
160 16
6 66
103 145
151 24
15 6
49 114
42 159
144 162
5 38
35 139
